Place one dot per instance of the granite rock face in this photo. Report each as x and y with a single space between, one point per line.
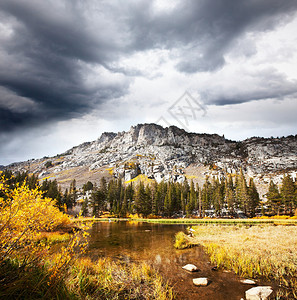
164 154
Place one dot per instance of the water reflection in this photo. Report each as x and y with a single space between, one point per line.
140 241
153 243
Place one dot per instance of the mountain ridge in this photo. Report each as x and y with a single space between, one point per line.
167 154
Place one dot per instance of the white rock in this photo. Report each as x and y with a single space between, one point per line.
202 281
258 293
190 267
248 281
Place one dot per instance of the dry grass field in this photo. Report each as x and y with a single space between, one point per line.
265 251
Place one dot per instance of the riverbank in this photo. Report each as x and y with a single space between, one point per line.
83 279
195 221
250 251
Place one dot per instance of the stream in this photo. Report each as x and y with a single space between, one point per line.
153 244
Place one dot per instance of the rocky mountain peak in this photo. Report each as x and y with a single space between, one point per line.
167 153
106 137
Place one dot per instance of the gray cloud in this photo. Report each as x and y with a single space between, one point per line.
249 86
43 60
203 31
46 47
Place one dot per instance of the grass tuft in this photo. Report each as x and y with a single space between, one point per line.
182 241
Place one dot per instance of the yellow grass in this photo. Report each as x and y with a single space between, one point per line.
110 170
256 251
106 279
53 237
191 177
141 178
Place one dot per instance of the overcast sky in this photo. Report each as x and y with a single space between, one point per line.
70 70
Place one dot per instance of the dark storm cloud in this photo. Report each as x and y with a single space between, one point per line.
47 47
203 31
44 60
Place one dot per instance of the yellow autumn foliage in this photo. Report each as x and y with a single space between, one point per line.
23 214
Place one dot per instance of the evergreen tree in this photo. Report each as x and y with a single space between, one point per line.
230 195
199 200
288 194
88 186
242 192
274 198
206 196
183 202
85 208
142 200
254 198
218 196
129 191
192 198
124 207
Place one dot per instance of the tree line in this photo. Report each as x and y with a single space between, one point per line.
226 197
50 189
283 200
231 196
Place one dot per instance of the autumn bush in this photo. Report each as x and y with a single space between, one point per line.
24 214
25 259
30 269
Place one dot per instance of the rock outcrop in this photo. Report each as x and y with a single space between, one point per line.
166 153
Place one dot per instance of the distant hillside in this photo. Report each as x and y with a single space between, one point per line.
168 154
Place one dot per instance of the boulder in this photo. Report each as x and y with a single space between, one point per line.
247 281
202 281
190 268
258 293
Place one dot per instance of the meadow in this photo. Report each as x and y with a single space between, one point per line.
256 252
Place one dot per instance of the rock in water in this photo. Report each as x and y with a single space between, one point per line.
247 281
190 267
203 281
258 293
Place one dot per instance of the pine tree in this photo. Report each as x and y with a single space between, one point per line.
253 198
199 200
206 195
274 198
288 194
183 202
218 196
242 192
124 208
154 196
192 198
229 195
142 200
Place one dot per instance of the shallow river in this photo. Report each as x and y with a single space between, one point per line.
153 243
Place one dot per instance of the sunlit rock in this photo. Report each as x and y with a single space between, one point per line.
190 268
203 281
258 293
247 281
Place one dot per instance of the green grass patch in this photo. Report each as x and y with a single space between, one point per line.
209 221
192 221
